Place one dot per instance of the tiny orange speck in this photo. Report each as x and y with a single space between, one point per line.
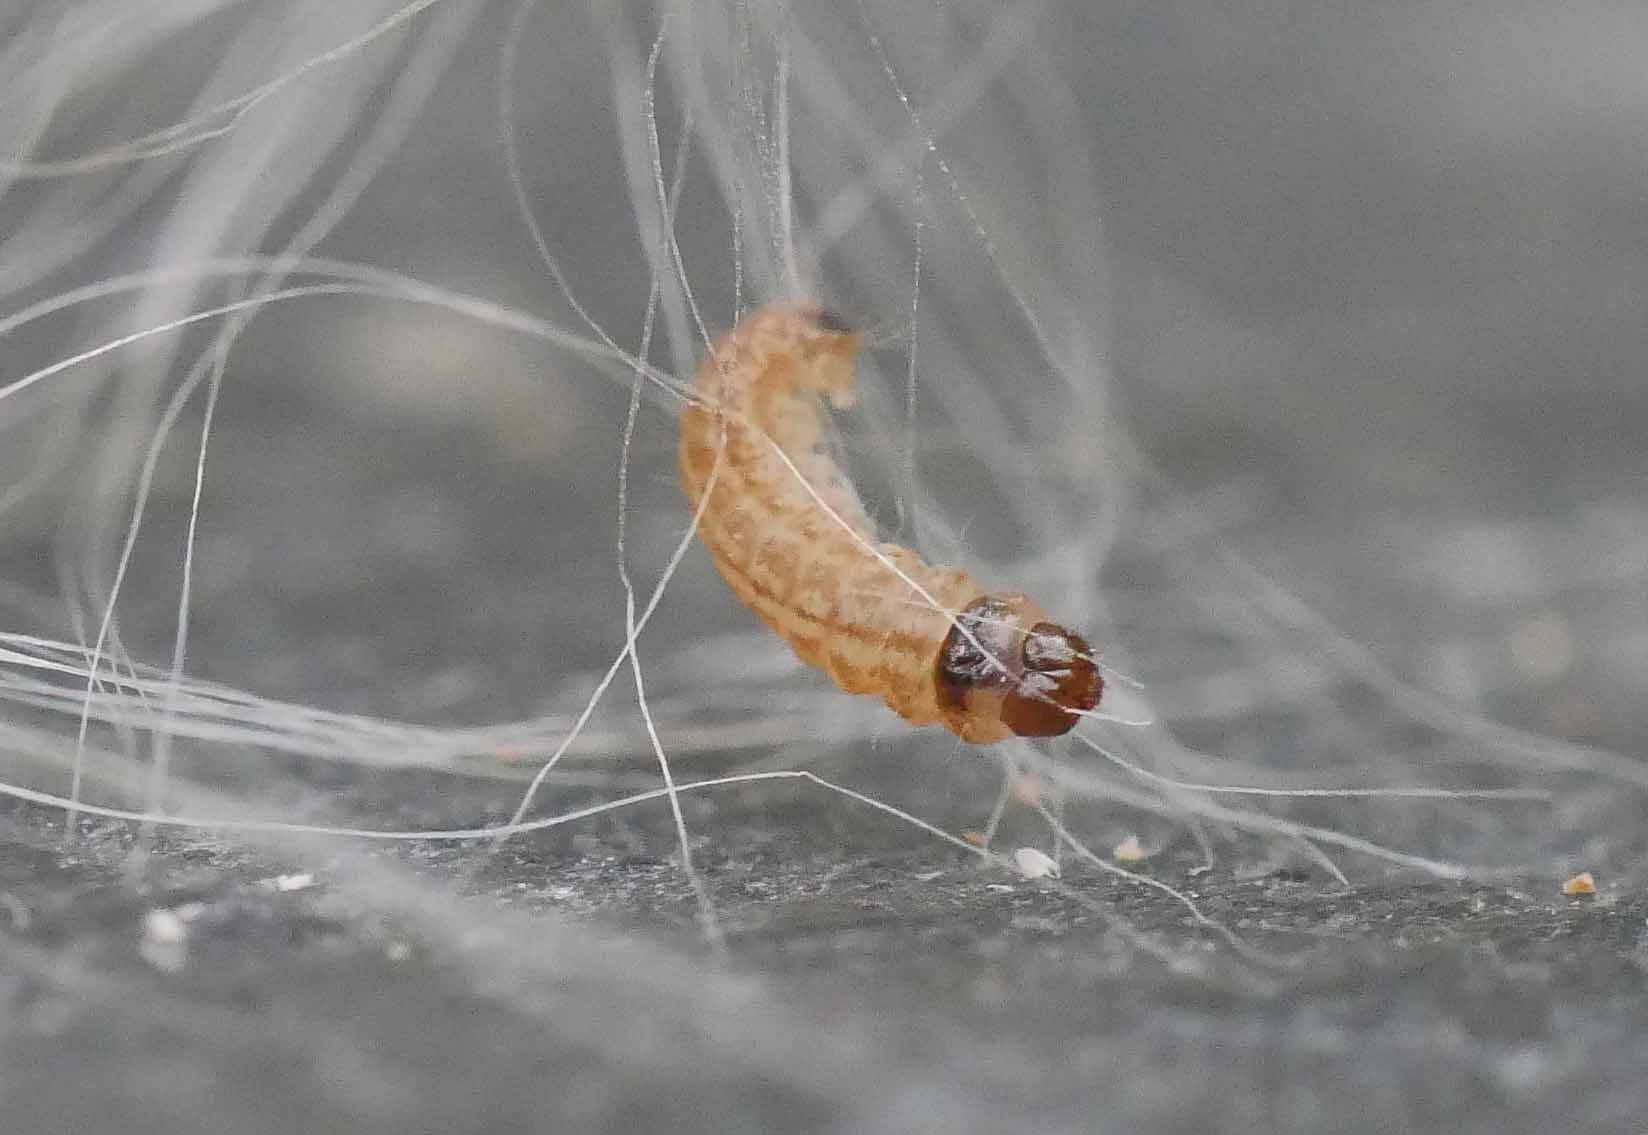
1580 884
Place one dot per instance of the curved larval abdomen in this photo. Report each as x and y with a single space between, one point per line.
800 554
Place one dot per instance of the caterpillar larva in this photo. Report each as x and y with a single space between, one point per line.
818 585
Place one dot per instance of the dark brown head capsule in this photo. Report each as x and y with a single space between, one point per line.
1032 677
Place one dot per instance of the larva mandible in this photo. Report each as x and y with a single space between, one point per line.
842 609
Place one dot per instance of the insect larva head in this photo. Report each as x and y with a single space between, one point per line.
1003 670
1059 676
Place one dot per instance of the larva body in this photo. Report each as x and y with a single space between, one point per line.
882 624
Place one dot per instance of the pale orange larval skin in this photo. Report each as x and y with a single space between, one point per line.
809 576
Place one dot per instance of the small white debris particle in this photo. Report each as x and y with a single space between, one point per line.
1033 864
164 944
164 927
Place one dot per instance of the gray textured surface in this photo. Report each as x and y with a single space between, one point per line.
966 1001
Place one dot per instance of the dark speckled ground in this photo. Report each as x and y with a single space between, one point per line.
938 996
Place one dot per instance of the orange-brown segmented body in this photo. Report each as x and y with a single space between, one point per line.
882 622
